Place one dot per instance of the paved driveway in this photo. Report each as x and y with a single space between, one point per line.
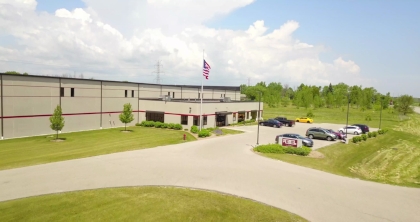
224 164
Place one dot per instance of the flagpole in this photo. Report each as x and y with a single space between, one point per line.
201 95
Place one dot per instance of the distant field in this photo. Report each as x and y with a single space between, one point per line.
335 115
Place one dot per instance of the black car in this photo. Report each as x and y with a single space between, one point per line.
272 123
305 140
363 127
285 121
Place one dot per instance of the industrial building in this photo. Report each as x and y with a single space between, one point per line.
28 101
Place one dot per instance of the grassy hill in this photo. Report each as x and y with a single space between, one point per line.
392 158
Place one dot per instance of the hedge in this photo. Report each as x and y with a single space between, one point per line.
277 148
194 129
204 133
364 137
160 125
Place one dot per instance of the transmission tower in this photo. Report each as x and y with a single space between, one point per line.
158 72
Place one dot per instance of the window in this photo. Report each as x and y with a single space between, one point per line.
247 115
196 121
199 95
125 93
221 95
155 116
173 95
132 93
72 92
169 93
62 91
224 95
204 120
184 120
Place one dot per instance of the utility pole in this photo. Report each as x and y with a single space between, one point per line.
158 72
249 80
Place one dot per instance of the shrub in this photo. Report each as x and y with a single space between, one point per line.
177 126
171 126
194 129
357 139
269 148
364 137
164 125
368 118
303 151
380 132
148 123
138 124
204 133
277 148
310 114
370 134
374 134
158 124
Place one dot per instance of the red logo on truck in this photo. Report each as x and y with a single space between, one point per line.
289 142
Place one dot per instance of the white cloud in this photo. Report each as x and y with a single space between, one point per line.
114 41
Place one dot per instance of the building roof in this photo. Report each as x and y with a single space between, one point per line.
237 88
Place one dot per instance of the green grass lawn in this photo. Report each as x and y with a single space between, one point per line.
140 204
335 115
38 150
392 158
230 131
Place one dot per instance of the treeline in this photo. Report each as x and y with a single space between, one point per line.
331 96
65 75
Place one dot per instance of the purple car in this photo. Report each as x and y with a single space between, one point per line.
338 134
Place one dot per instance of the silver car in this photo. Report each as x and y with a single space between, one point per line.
351 130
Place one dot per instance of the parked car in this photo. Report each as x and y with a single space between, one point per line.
338 134
304 120
305 140
271 122
320 133
350 130
363 127
285 121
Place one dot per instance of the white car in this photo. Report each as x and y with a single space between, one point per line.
351 130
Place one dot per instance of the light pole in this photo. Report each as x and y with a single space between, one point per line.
380 115
348 107
259 117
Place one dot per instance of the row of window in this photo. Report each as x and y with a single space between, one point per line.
125 93
62 92
221 95
160 117
184 120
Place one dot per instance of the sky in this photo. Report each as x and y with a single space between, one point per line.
371 43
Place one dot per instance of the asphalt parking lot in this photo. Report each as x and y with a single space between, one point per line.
268 134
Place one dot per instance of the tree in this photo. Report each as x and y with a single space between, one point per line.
285 101
12 73
57 120
127 115
404 104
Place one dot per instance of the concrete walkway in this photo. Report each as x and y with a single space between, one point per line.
224 164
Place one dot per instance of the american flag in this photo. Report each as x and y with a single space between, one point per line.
206 69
